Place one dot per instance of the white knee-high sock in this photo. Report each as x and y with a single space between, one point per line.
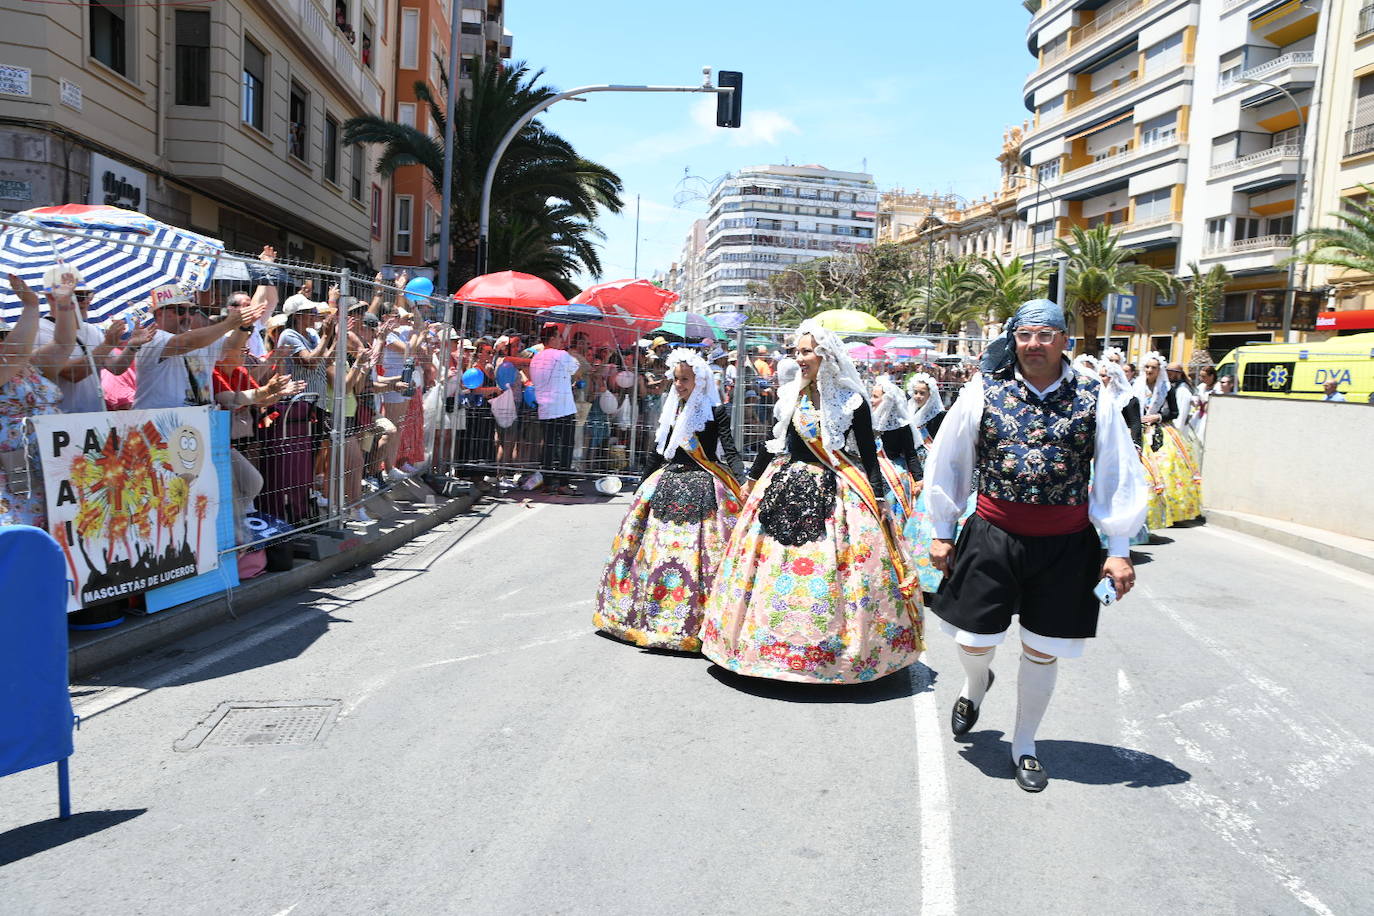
976 674
1034 687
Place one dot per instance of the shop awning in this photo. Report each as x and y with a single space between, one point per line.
1349 320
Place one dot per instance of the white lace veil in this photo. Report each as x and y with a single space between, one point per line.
676 427
1113 355
892 411
1086 364
840 388
1152 400
1117 384
933 406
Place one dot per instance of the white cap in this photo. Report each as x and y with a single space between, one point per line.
298 303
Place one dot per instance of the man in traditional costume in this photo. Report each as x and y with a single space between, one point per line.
1052 458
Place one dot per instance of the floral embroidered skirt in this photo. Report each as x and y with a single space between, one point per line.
1170 470
807 591
918 533
663 560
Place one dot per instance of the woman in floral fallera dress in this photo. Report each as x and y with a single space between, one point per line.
813 587
664 558
27 389
1169 462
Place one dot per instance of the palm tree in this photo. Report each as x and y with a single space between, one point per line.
545 198
1097 267
1350 246
998 288
946 298
1206 291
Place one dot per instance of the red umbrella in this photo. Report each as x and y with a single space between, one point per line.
510 289
639 304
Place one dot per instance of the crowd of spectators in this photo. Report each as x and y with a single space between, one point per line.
277 372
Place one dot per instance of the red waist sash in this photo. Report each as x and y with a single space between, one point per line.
1032 520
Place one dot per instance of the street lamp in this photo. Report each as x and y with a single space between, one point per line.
930 271
1291 292
484 212
1039 190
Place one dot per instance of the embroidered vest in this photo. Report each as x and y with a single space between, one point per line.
1037 451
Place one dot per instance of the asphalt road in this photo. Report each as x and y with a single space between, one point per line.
489 754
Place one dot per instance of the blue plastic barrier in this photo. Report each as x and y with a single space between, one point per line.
36 718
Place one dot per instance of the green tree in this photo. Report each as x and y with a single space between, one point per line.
1205 290
545 198
1349 245
946 298
999 287
1097 267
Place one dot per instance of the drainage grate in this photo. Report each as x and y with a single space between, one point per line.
266 724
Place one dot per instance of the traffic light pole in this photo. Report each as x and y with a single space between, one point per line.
484 218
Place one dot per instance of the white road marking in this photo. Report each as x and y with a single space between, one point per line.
287 911
937 860
377 683
118 696
467 544
1230 820
1289 555
512 593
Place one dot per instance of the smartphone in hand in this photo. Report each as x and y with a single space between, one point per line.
1105 591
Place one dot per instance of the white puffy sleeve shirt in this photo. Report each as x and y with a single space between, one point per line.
1117 500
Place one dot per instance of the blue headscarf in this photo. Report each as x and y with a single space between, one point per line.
1037 312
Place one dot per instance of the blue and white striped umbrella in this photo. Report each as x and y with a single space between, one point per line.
121 274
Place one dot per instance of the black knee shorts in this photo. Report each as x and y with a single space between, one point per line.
1048 581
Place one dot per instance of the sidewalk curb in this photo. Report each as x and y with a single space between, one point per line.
1295 537
105 648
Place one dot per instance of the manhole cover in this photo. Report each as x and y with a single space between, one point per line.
267 724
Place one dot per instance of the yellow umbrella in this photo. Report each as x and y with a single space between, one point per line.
848 321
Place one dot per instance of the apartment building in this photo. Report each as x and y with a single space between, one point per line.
1180 122
224 118
1112 99
764 219
1345 133
424 28
688 274
1257 75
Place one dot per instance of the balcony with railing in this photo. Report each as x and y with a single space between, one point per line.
1253 160
339 55
1270 69
1117 160
1359 140
1250 245
1107 20
1364 26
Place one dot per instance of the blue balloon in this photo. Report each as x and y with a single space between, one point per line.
530 399
473 378
419 289
507 375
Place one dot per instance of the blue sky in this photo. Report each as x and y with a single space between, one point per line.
917 91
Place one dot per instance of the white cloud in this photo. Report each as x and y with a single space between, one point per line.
760 128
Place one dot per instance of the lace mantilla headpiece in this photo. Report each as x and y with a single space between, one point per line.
934 405
1151 400
677 427
840 391
891 412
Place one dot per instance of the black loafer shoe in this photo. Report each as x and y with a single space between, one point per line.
965 714
1030 775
